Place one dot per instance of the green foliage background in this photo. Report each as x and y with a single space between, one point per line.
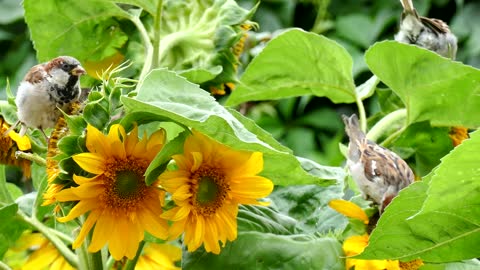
290 96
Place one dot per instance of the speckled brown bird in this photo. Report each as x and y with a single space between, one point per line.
47 88
379 173
428 33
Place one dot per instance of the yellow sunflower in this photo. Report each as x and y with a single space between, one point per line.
44 255
117 200
355 245
209 184
159 256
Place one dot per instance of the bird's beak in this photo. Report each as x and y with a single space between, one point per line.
78 70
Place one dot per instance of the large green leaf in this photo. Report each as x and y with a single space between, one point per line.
256 250
11 227
165 95
432 87
84 29
297 63
436 220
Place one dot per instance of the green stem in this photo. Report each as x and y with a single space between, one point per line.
110 263
32 157
52 237
362 114
386 123
392 137
157 27
131 263
146 42
5 195
3 266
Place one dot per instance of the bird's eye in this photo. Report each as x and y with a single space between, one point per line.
65 66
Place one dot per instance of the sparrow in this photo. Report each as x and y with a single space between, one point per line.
46 89
428 33
379 173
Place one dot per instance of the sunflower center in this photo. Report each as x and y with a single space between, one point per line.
125 186
209 189
128 183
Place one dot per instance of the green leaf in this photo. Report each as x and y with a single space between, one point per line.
427 145
261 251
441 222
193 107
160 162
264 219
308 204
96 115
297 63
83 29
367 89
201 75
149 6
11 227
432 87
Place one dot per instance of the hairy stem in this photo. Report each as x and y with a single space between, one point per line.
146 42
361 113
394 118
157 27
32 157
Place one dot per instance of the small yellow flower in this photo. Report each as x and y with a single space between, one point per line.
159 256
44 256
118 202
458 135
211 181
355 245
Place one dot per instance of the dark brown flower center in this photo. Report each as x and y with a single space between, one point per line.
209 189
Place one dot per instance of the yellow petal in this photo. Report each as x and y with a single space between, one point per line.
23 142
251 187
154 224
176 229
355 244
349 209
97 142
86 227
82 180
102 231
117 244
79 209
131 140
90 162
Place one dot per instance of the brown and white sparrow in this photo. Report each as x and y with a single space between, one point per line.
379 173
47 88
428 33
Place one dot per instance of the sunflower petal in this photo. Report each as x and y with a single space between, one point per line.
92 163
349 209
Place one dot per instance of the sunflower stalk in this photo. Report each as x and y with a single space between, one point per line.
52 237
157 26
132 263
135 19
362 114
391 119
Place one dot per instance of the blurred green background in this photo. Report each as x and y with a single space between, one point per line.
311 126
